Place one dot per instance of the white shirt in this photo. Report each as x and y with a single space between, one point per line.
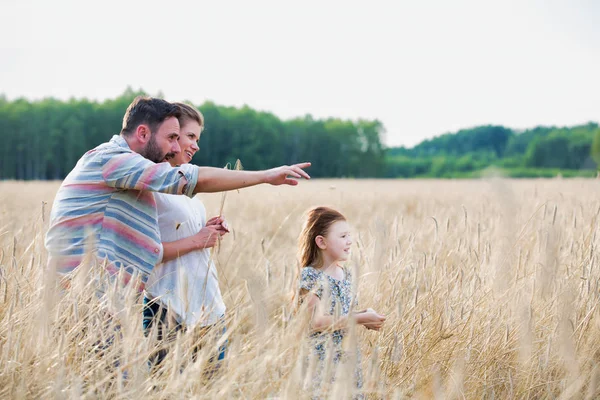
188 286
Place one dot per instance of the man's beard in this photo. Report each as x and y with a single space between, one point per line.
153 153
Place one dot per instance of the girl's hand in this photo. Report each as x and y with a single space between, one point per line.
370 319
365 310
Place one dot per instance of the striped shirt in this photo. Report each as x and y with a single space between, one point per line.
106 206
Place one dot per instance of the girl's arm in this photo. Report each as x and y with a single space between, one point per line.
370 319
320 321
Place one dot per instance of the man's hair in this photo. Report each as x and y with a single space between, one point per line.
189 113
150 111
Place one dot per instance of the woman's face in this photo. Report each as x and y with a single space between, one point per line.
189 136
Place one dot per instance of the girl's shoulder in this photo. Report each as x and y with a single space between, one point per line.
311 280
310 272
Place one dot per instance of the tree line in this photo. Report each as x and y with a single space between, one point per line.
44 139
537 152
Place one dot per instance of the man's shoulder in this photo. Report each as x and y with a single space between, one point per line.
115 145
104 152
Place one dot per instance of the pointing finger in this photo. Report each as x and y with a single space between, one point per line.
302 165
293 173
301 172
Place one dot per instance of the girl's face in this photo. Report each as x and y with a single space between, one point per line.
189 135
338 241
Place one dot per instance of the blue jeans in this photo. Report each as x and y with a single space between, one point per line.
155 313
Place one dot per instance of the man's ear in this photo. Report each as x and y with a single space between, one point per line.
142 133
320 241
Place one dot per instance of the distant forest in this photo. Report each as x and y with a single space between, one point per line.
44 139
537 152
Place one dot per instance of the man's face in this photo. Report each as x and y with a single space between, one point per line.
163 142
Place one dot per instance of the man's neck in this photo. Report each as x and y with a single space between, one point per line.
133 145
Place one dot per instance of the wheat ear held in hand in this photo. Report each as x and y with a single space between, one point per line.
238 167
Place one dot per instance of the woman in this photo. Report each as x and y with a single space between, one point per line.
183 291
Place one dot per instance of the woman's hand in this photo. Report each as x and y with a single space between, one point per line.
208 236
220 223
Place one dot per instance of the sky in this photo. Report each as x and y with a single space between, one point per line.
422 68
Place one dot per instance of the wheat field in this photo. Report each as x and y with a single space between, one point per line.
490 286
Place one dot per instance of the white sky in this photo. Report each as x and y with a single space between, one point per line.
423 68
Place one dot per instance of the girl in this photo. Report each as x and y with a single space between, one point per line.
325 289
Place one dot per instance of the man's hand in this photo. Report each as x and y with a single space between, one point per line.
285 175
208 236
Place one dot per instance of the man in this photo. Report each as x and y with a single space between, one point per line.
109 193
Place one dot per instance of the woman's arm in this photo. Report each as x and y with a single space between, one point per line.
206 238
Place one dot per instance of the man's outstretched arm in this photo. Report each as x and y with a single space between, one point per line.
212 179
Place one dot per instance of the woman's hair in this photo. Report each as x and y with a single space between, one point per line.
318 221
189 113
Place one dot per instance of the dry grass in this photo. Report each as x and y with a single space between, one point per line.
491 288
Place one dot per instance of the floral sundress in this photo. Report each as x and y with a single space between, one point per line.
337 298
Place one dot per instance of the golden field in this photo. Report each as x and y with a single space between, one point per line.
491 288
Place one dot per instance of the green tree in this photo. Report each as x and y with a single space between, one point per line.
595 148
